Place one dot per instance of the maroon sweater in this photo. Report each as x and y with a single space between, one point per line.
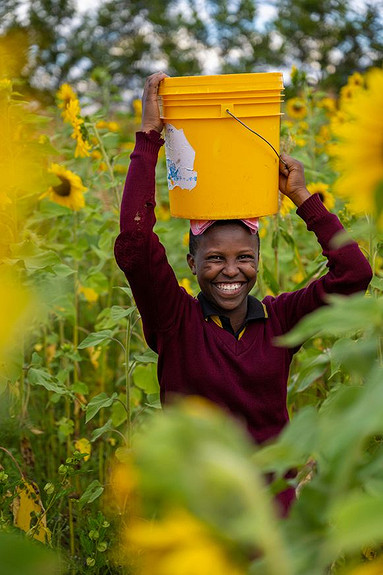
247 377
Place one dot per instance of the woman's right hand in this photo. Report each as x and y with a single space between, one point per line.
151 119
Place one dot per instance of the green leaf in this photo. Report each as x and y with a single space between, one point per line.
34 257
345 315
80 387
45 379
270 280
310 370
50 209
377 283
296 442
36 360
118 312
98 402
105 241
356 521
126 290
123 454
91 493
19 554
96 338
154 401
357 356
289 239
148 356
65 428
101 430
145 377
119 414
62 270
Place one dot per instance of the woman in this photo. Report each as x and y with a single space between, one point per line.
220 345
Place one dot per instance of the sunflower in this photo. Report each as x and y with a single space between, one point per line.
83 445
173 543
356 79
348 92
322 189
73 112
83 148
65 95
296 108
69 191
73 116
90 294
359 155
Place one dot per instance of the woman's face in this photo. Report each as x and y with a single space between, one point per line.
226 265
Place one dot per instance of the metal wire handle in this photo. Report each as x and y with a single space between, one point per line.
259 136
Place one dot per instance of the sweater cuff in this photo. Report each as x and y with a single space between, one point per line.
149 142
313 206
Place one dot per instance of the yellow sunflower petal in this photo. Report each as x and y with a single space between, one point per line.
69 190
359 155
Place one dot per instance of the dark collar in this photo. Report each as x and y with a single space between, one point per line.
255 308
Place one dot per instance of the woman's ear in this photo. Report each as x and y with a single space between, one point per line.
191 263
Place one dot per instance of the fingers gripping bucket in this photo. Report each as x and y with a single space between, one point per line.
216 168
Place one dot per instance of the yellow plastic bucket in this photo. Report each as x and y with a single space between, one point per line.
217 169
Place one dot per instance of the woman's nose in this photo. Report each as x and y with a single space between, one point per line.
230 269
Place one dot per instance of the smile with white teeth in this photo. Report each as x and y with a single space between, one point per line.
228 287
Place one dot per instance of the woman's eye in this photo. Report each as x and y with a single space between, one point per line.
246 257
214 258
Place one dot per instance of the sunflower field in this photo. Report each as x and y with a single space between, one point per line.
94 477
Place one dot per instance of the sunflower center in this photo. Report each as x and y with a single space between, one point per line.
62 189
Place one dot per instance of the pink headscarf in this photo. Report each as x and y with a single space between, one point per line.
198 227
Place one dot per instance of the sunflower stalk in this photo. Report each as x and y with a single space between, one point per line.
276 255
68 451
107 162
128 381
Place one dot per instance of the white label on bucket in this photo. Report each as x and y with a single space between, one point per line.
180 158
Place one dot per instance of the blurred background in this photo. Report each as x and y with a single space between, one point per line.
79 41
94 477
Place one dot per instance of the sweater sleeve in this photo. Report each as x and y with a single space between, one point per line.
137 249
348 270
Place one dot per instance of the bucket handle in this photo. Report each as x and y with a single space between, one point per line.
259 136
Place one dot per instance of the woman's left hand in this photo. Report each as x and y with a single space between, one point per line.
292 180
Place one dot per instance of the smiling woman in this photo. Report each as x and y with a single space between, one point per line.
220 345
225 261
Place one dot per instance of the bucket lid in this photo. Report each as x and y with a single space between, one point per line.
221 83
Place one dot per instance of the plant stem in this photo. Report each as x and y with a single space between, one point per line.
276 259
71 528
14 461
107 162
128 381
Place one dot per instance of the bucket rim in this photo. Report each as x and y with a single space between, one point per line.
221 83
